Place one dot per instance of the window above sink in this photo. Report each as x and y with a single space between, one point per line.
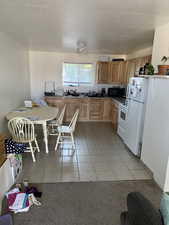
78 74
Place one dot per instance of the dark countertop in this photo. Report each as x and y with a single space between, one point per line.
117 99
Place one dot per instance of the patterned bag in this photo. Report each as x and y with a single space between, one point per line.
13 147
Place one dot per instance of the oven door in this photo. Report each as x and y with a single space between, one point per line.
122 117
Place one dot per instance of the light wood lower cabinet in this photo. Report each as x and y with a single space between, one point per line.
71 107
107 109
2 149
96 109
84 111
91 109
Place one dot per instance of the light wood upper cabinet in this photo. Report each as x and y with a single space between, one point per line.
133 65
141 61
114 72
131 68
102 72
123 72
119 72
108 72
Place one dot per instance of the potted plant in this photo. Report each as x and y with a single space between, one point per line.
149 69
163 69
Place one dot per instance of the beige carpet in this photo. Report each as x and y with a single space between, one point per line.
85 203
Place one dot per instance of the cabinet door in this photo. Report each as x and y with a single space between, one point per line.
107 110
71 106
114 116
123 72
141 61
131 68
56 102
146 59
102 72
84 111
114 72
96 109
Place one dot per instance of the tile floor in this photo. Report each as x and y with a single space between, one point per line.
100 156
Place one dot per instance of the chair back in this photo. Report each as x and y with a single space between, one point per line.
61 116
72 124
21 129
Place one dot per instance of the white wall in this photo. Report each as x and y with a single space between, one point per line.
14 88
140 53
46 66
14 76
161 44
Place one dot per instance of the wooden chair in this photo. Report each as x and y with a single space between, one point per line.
22 131
67 132
53 124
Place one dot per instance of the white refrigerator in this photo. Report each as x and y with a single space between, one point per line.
155 147
136 101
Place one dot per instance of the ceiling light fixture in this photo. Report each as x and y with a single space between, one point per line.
81 47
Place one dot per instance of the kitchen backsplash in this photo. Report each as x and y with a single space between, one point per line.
81 89
85 89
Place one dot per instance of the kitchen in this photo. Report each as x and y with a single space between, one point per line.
100 152
89 56
108 103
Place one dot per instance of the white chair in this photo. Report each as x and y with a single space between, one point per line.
22 131
53 124
67 131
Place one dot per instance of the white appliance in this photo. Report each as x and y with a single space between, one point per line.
155 147
122 116
135 105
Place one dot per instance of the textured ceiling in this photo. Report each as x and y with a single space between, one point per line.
107 26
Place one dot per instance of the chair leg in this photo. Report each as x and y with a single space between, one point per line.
32 152
57 142
37 146
73 142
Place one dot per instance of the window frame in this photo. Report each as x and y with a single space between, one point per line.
79 83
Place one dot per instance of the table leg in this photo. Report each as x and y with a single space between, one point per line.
45 136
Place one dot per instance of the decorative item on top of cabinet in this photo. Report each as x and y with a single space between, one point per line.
114 116
2 149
